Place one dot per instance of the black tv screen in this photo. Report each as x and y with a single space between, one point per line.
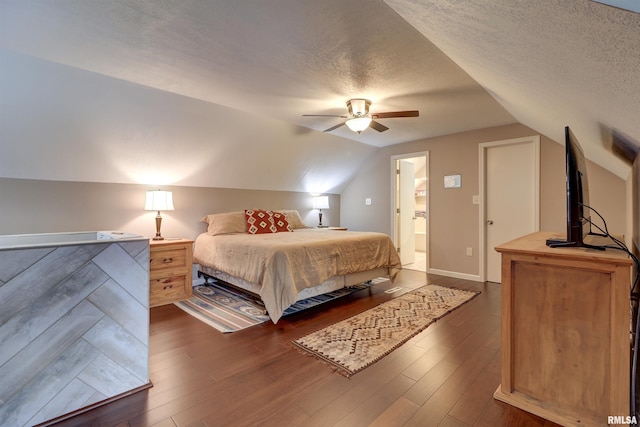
578 215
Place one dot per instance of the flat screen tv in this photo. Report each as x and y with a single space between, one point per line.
578 214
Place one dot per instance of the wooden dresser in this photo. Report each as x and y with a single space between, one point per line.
565 331
170 264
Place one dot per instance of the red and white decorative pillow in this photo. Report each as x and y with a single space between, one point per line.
281 222
259 221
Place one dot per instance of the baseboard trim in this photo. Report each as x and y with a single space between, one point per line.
95 405
454 274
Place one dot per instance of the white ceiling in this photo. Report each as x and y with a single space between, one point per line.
463 64
549 63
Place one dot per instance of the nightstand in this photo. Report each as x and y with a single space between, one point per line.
170 264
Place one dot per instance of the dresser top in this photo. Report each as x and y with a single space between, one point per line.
535 244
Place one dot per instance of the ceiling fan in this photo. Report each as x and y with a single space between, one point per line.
359 117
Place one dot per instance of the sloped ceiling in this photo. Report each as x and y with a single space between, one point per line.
549 63
464 64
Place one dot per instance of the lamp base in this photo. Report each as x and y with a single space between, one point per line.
158 224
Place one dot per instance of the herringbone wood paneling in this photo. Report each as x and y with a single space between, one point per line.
73 327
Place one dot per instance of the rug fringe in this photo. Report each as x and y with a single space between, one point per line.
324 361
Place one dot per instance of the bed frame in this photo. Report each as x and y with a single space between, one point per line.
332 284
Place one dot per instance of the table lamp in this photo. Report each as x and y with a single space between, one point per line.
158 200
321 202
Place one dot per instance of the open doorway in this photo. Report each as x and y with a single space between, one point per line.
410 188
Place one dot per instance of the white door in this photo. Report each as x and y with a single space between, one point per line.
407 206
511 196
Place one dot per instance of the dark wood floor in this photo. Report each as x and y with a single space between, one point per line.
445 376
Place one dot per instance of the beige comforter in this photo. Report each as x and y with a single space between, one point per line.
285 263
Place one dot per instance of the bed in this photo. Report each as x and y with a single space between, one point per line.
285 261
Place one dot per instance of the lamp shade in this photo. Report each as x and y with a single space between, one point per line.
321 202
358 124
158 200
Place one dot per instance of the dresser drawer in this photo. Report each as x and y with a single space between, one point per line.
168 259
168 289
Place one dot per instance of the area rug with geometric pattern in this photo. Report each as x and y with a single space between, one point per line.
352 344
229 309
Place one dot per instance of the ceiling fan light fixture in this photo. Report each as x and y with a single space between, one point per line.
358 106
358 124
359 117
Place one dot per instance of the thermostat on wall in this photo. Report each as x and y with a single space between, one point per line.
452 181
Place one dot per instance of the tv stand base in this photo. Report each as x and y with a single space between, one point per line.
557 243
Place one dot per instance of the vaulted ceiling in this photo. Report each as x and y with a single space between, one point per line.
463 64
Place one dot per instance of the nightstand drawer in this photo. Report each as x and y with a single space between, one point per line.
168 289
170 264
163 260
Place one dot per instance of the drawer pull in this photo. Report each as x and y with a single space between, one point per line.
167 260
168 287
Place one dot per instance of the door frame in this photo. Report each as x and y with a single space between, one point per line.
394 197
483 147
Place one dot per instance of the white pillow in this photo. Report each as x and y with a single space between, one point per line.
225 223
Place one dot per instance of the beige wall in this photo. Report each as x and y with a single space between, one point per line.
453 217
34 206
634 185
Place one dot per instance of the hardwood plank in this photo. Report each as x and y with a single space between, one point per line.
397 414
368 411
477 396
439 404
451 422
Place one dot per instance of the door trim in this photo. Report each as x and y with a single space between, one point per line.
394 197
483 147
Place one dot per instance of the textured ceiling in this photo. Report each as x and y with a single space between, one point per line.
464 64
280 59
549 63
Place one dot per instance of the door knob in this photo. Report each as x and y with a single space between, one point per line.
490 222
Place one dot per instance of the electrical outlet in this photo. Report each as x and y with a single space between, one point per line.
469 251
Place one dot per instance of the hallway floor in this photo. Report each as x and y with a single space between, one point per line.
419 263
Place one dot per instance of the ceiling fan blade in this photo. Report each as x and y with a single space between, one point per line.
323 115
378 126
392 114
335 127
